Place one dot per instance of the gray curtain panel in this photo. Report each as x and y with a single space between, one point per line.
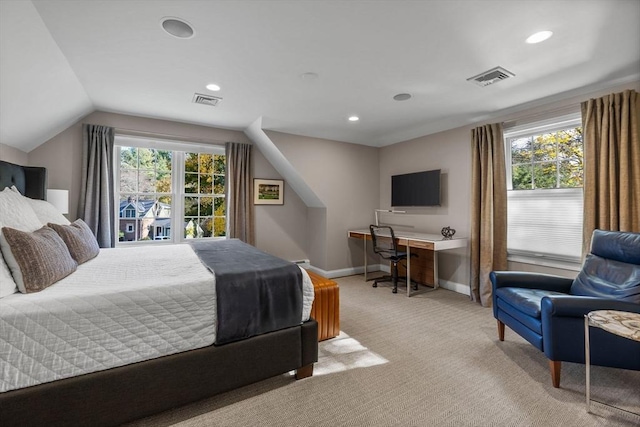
488 209
239 193
97 196
611 127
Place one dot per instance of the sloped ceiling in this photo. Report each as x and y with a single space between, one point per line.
40 94
60 60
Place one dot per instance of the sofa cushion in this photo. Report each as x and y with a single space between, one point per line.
608 278
525 300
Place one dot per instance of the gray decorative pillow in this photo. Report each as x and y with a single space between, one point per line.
36 260
80 240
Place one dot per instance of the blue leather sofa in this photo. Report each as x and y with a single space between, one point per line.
548 311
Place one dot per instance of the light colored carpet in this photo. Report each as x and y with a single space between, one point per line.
430 360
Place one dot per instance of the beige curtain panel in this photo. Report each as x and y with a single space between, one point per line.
239 193
611 164
488 209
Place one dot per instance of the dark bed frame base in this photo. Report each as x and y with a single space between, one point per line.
127 393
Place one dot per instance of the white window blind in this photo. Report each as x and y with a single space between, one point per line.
545 224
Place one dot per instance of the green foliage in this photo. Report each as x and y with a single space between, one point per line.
145 170
204 179
550 160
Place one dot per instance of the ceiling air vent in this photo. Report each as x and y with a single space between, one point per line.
492 76
210 100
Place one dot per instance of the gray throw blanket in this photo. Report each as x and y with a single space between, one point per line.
256 292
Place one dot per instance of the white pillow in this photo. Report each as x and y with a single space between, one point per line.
8 286
44 210
15 212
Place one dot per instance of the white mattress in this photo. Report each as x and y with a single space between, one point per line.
127 305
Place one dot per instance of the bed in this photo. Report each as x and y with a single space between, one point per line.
173 329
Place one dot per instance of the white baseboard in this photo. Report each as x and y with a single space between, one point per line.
456 287
332 274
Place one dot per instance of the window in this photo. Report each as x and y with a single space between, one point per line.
204 203
544 198
163 186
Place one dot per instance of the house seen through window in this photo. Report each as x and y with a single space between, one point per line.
169 194
544 198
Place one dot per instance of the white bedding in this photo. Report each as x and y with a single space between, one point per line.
126 305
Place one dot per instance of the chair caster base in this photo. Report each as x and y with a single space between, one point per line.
394 290
375 285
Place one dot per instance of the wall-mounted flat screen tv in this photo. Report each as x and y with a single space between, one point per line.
416 189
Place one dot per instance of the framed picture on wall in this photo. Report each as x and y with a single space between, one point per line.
268 192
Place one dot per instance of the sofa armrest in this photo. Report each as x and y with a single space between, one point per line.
579 306
522 279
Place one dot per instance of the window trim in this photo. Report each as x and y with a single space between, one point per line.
179 149
573 119
546 126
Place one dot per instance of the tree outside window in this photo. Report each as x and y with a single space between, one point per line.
204 202
550 160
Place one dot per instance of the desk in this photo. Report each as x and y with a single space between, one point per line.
427 244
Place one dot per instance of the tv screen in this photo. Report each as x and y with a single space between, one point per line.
416 189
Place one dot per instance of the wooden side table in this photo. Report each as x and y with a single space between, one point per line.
621 323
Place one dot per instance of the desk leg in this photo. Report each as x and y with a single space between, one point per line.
587 360
436 277
408 270
365 259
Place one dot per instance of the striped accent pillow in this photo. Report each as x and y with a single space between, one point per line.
80 240
36 260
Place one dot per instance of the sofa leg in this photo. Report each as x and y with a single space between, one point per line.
554 366
500 331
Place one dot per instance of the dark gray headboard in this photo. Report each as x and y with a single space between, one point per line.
29 180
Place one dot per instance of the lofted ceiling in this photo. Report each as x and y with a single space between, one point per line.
60 60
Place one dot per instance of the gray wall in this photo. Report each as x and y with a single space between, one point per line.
62 154
345 177
281 230
13 155
450 152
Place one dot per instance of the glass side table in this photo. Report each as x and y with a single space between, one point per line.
619 323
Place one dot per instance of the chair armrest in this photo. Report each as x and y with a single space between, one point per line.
522 279
579 306
563 331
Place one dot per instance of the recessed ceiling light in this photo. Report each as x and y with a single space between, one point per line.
309 76
539 37
402 97
213 87
354 118
177 27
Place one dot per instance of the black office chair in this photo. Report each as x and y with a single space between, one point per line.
386 245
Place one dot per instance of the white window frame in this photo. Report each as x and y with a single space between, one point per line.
179 149
546 126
